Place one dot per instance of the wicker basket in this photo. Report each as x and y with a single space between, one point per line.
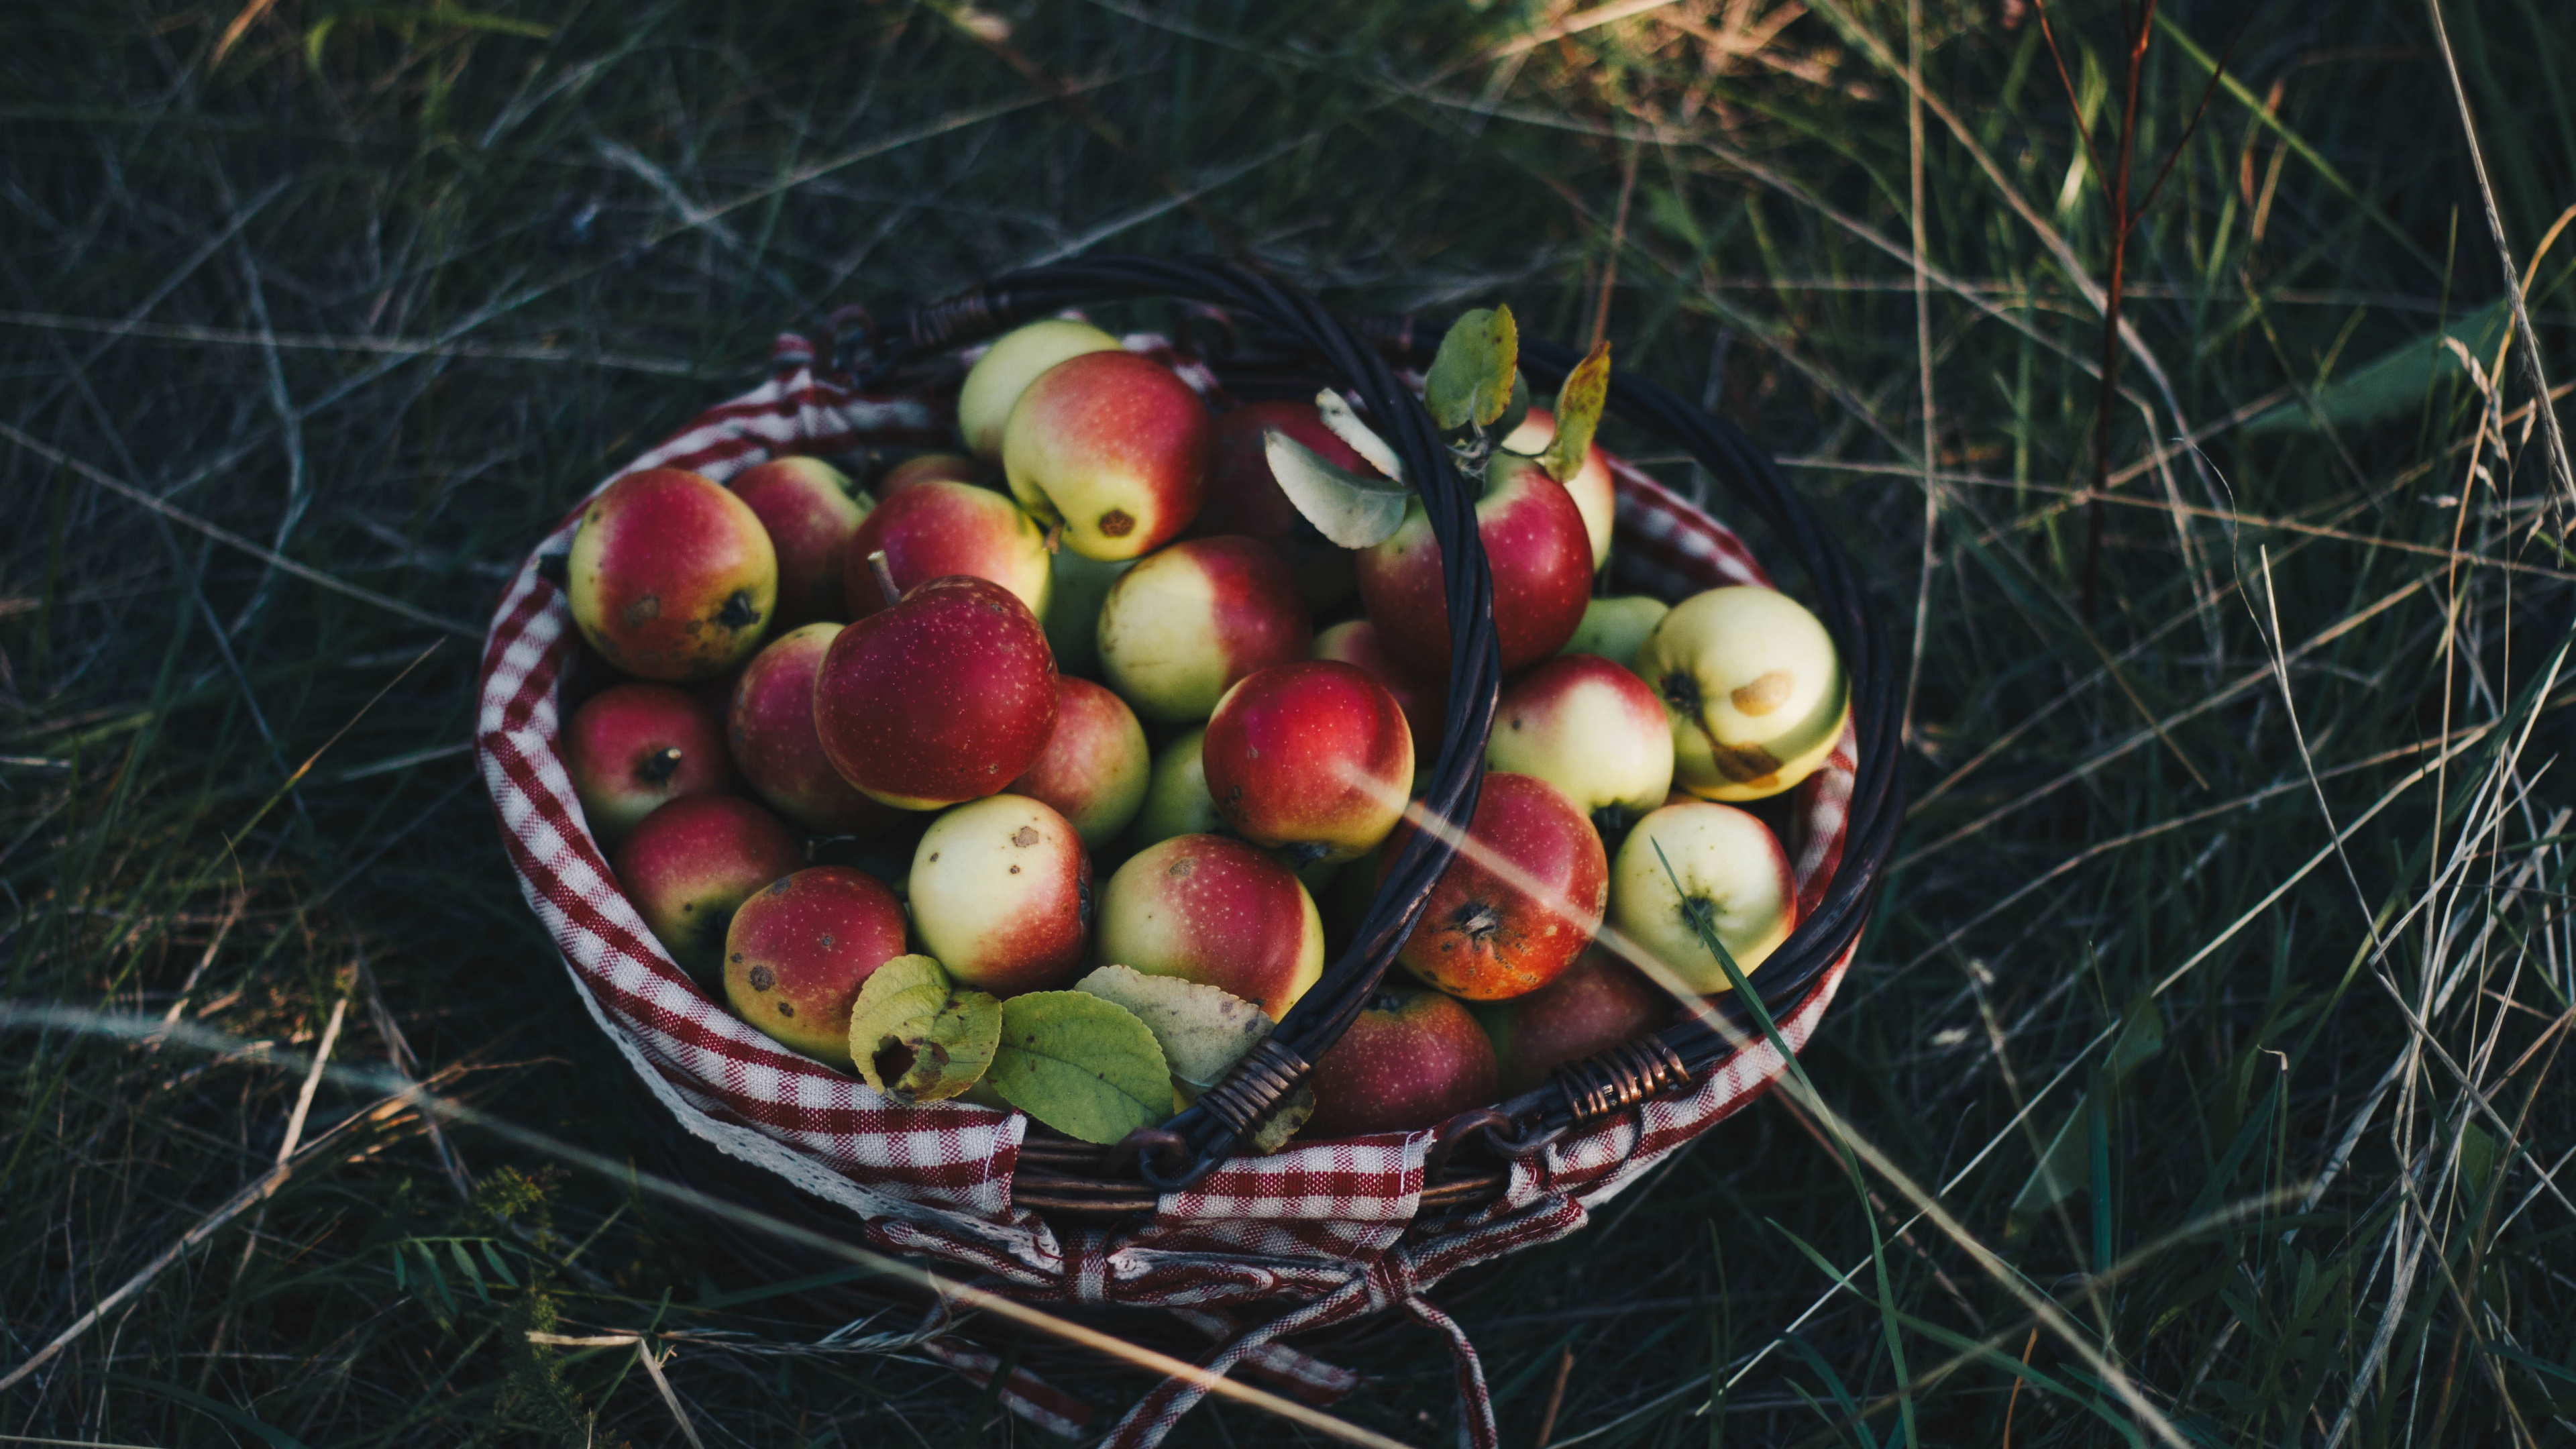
1170 1223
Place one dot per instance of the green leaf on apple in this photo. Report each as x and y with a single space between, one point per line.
917 1038
1470 382
1352 509
1578 413
1085 1066
1203 1030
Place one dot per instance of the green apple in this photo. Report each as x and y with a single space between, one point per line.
1753 688
1614 627
1176 794
1724 865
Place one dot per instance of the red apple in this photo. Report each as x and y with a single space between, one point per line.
1113 447
1412 1060
935 529
632 748
671 576
1520 901
1182 626
1095 765
1425 701
770 724
932 468
1598 1003
689 865
1001 894
1590 728
1218 912
947 696
1592 488
1312 759
1007 368
798 952
1542 567
810 511
1243 495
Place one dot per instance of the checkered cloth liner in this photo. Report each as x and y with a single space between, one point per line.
1327 1229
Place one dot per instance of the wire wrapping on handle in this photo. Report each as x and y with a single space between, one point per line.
1356 357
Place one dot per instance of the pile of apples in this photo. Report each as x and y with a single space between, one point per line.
1095 694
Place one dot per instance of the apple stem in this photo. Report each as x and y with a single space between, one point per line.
884 572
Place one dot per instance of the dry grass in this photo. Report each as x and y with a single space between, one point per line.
2217 1004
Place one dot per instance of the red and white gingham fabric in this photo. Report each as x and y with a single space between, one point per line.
1261 1249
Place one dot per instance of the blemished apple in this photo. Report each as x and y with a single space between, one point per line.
1590 728
1073 609
1007 368
633 748
1176 794
769 723
1598 1003
671 576
1216 911
1425 701
1753 688
1518 903
689 865
1542 567
1411 1060
1187 622
1112 447
1594 492
1311 759
1095 764
935 529
934 468
799 950
1244 497
947 696
810 510
1001 894
1615 626
1731 870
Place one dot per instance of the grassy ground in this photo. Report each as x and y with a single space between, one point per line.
2218 995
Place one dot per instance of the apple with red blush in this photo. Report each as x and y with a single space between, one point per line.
1218 912
769 722
809 509
1312 759
935 529
1595 494
1112 448
1187 622
1412 1059
1095 766
1001 895
633 748
1542 565
948 696
691 864
1519 901
799 950
1424 700
1599 1002
1016 358
1589 727
933 468
671 577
